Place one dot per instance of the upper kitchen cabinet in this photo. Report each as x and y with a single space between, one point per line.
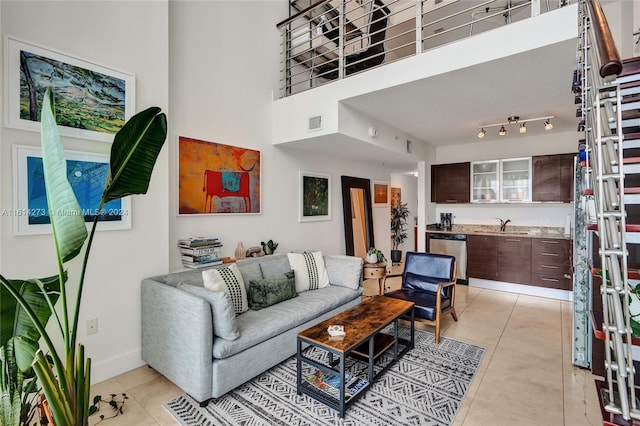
450 183
553 178
486 184
516 179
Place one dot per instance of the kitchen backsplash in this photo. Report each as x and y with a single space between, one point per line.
550 215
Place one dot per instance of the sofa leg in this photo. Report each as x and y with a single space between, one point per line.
204 403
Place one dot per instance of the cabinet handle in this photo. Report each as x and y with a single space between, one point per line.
512 240
549 267
553 280
550 254
450 201
550 242
567 276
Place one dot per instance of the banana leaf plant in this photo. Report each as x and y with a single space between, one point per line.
64 374
18 396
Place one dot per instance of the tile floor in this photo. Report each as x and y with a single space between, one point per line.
526 377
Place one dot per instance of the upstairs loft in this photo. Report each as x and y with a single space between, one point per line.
472 57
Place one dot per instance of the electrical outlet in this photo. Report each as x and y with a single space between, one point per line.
92 326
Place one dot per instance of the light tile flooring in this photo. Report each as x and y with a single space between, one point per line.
526 377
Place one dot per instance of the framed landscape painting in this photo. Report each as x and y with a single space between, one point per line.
315 197
217 179
92 101
87 174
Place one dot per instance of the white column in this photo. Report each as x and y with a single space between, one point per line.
422 205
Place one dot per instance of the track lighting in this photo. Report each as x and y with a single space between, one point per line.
515 119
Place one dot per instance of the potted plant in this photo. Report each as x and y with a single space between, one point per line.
399 216
375 256
64 372
269 247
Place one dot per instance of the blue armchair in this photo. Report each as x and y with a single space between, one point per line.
429 281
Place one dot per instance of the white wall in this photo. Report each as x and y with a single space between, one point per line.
409 186
133 37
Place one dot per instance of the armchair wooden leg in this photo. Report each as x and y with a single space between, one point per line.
454 315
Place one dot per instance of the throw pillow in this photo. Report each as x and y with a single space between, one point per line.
228 280
269 291
222 310
310 271
344 271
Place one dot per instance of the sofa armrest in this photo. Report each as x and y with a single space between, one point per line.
177 337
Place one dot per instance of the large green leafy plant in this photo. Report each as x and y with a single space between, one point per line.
26 306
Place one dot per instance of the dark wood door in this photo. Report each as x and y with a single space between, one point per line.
482 256
514 259
552 177
451 183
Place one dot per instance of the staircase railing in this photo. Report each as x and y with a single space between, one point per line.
602 120
333 39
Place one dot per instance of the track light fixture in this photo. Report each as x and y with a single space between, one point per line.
514 119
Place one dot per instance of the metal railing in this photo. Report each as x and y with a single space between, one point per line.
333 39
600 65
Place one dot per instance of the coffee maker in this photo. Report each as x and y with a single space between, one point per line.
446 220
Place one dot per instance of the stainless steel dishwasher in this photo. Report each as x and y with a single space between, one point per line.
452 245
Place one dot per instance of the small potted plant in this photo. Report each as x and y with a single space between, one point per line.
399 216
375 256
269 247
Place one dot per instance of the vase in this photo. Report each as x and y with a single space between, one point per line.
241 252
372 258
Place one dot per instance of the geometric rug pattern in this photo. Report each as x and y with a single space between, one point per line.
425 387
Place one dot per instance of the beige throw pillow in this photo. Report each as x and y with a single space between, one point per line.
309 269
228 280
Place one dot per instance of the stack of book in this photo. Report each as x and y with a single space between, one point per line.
200 252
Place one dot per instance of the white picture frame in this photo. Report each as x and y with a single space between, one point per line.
98 99
314 196
88 170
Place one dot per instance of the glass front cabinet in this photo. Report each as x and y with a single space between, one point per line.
506 180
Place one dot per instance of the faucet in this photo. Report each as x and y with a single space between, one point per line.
503 223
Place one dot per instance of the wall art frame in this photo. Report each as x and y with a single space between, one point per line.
92 101
215 178
396 196
314 191
87 173
380 193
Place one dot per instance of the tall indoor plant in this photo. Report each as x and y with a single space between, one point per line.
399 216
26 306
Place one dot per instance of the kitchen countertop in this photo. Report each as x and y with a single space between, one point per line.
524 231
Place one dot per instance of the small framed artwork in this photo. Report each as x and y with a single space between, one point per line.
87 174
396 197
380 194
214 178
92 101
315 197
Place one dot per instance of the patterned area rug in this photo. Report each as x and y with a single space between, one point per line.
425 387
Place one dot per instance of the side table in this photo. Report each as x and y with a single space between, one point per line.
375 271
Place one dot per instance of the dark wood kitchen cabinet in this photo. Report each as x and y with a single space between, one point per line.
482 256
451 183
514 259
551 261
553 178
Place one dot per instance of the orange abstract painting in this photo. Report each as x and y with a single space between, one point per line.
217 178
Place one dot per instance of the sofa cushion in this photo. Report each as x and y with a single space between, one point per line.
228 280
250 271
345 271
186 277
258 326
425 302
222 310
421 282
310 271
269 291
272 266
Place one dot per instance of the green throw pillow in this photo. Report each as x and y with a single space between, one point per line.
269 291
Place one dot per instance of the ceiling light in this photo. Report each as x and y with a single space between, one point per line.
515 119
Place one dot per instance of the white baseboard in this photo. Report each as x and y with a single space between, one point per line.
529 290
106 369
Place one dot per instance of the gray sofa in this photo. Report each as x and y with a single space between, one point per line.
178 332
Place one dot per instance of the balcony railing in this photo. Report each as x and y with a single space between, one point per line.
334 39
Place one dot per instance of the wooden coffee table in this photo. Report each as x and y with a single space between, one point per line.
363 340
